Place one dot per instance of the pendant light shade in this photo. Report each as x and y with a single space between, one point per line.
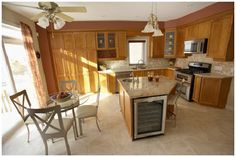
157 32
58 23
43 22
152 25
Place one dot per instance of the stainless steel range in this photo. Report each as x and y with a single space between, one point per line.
188 76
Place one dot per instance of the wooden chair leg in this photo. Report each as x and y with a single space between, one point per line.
67 146
98 125
28 136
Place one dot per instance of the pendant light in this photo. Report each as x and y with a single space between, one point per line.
152 25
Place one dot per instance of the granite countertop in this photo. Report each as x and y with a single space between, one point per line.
213 75
145 88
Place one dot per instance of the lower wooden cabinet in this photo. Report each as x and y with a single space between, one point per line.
211 91
165 72
107 82
126 106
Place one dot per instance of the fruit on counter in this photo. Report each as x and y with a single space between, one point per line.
62 95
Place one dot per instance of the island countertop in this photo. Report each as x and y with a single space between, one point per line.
145 88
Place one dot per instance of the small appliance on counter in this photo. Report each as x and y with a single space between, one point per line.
188 76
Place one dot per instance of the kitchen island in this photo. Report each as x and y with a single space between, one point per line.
140 95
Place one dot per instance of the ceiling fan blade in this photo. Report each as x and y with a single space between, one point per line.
36 17
65 17
22 5
73 9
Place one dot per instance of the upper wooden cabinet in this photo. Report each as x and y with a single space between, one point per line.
106 40
157 47
221 41
180 42
170 43
121 45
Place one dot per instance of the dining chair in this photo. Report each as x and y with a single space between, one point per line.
54 127
21 100
172 105
88 111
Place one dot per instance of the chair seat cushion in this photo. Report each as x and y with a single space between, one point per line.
84 111
67 122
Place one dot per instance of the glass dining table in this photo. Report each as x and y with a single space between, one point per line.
69 104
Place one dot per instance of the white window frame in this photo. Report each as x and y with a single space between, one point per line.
145 51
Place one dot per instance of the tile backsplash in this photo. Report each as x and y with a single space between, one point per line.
117 64
226 68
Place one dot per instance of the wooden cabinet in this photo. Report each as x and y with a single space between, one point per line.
106 40
192 32
138 73
74 57
204 29
107 82
157 47
126 109
180 42
169 73
211 91
170 43
197 88
121 45
221 42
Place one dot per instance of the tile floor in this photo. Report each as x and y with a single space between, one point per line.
200 130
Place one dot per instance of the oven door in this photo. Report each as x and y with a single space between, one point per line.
184 90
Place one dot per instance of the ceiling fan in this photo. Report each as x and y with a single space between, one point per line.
53 13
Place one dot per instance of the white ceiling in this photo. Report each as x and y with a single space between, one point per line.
125 11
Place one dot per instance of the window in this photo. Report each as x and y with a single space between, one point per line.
137 51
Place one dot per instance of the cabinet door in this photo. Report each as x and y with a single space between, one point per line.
111 82
122 100
170 39
121 47
169 73
197 88
204 29
69 42
101 43
138 73
157 47
180 42
159 72
103 82
192 32
210 89
111 40
220 36
80 40
128 114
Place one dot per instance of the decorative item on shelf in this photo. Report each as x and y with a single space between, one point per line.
152 25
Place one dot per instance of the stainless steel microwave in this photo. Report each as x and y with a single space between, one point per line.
195 46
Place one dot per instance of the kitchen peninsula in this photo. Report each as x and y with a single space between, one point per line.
143 104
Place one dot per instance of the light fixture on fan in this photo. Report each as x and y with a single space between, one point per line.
44 21
152 25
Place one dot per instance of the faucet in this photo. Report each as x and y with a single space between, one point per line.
139 62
